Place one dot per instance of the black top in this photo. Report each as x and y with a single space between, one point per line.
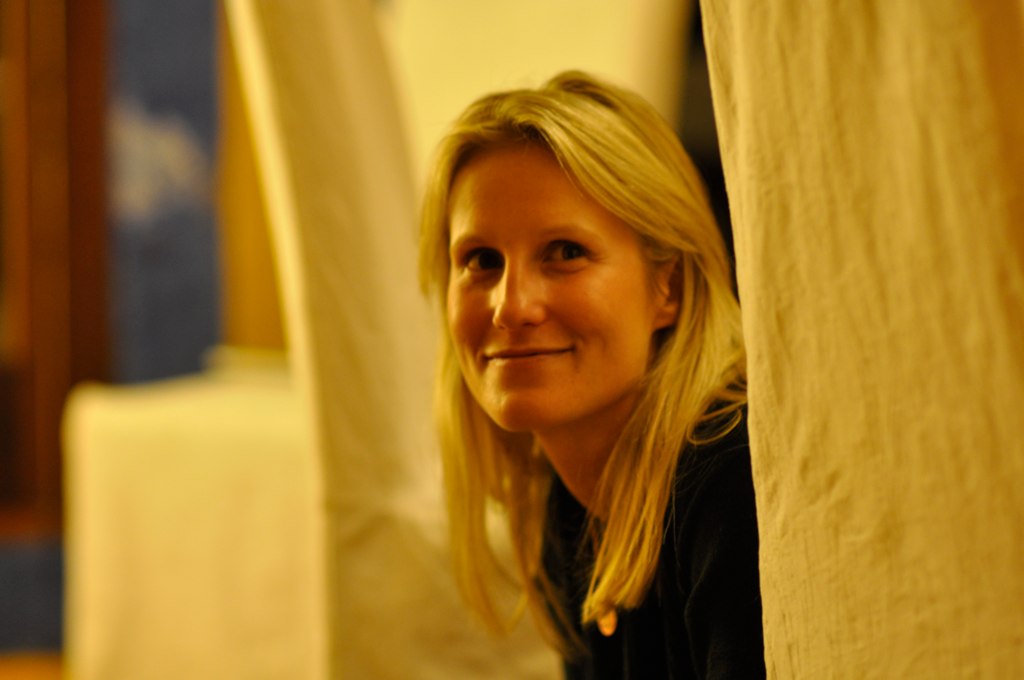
702 615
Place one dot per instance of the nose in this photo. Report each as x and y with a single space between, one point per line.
518 299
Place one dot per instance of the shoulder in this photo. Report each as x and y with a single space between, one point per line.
714 557
712 509
721 462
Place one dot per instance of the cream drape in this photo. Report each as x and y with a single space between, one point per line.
874 157
336 175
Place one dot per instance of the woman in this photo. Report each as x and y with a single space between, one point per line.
591 383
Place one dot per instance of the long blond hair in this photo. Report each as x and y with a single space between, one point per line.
618 150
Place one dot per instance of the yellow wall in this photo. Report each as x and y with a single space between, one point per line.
445 53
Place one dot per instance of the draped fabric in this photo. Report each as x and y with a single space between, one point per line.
341 204
874 156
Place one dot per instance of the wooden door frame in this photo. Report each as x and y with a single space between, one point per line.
55 329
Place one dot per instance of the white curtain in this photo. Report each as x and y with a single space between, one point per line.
874 157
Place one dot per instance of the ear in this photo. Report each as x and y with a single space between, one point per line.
666 294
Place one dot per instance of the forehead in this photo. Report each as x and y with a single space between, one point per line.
522 183
532 165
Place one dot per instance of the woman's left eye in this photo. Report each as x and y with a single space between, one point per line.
568 250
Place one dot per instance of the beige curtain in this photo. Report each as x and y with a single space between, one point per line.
874 156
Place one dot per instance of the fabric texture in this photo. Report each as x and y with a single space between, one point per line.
702 616
873 154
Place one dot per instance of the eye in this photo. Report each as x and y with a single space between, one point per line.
483 259
568 250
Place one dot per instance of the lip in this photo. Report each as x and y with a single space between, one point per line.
524 353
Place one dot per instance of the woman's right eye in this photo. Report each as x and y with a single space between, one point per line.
482 259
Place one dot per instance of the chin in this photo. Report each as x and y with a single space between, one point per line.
520 417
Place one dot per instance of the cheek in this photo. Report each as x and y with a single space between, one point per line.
454 313
463 318
633 323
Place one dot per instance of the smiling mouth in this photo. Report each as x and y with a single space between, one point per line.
512 354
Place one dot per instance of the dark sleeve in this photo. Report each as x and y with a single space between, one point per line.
717 552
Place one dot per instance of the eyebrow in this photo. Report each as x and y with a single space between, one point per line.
457 244
548 231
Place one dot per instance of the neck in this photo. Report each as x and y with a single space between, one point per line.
579 451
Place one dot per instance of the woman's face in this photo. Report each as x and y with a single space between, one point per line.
551 303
